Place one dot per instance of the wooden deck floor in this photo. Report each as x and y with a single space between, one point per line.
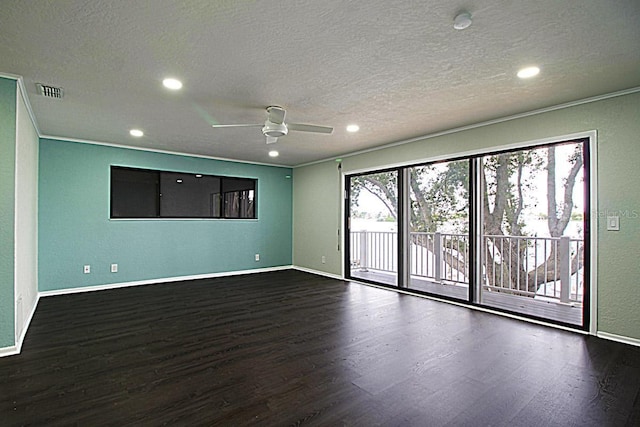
550 310
292 348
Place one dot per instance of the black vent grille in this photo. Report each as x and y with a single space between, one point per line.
49 91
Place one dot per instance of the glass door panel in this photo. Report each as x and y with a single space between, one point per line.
533 221
439 229
373 227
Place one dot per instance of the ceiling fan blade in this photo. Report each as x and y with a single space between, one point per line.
271 139
309 128
276 114
238 126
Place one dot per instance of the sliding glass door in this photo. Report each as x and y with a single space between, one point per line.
534 210
507 230
439 228
373 224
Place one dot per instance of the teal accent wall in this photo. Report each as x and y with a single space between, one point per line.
8 93
75 229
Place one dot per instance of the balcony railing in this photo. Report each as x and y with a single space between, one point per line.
546 268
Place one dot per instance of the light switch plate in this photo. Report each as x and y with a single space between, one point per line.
613 223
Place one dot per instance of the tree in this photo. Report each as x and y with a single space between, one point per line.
558 217
440 196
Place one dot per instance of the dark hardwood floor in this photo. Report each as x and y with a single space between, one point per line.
291 348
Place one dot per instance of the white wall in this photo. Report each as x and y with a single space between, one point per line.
26 218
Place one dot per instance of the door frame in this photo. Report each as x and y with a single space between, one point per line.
590 321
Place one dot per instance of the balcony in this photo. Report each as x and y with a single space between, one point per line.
535 276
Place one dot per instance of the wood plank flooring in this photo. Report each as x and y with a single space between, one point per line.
292 348
549 310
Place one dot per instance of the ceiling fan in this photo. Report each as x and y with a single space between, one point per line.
275 125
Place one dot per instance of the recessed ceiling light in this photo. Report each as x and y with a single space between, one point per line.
198 176
179 181
136 132
528 72
172 84
274 153
353 128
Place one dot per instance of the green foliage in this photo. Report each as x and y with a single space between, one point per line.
513 184
508 177
383 185
439 192
440 196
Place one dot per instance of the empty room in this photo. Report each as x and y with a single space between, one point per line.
394 213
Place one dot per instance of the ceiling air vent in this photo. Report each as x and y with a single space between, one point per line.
49 91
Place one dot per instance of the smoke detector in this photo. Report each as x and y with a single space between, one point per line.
462 21
49 91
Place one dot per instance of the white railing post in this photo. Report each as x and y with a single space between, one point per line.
564 249
363 250
437 251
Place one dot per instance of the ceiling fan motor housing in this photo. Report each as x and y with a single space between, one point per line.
274 129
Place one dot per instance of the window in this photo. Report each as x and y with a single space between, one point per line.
507 229
239 198
134 193
141 193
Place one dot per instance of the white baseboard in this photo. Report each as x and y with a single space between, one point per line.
16 349
318 272
26 325
618 338
158 281
9 351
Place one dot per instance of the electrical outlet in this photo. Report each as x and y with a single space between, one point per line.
324 259
87 269
114 268
257 257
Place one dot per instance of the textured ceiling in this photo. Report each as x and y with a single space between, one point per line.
395 67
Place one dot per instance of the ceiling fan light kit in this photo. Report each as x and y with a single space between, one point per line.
274 130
